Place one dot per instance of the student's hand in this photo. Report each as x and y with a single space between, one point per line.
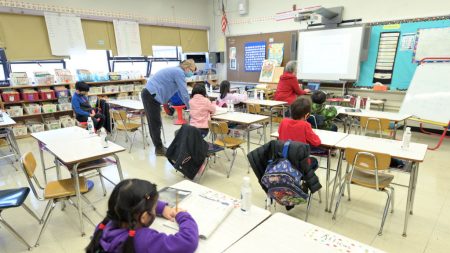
170 212
307 90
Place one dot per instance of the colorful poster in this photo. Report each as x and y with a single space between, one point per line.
254 55
267 71
407 42
232 56
276 51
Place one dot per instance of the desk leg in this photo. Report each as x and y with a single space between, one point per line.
144 140
410 197
395 130
327 185
78 193
338 175
248 138
416 175
41 154
119 166
13 142
265 133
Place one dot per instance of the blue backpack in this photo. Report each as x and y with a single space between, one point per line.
283 181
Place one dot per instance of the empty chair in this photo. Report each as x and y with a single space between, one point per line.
367 170
374 124
121 123
54 191
219 131
12 198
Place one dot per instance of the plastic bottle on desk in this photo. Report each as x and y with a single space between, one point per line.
246 195
103 137
255 94
90 126
406 138
358 103
368 102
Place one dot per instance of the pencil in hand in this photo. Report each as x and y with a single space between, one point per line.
176 201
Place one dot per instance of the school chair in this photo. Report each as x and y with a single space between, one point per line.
219 131
53 192
12 198
121 123
368 170
374 124
256 109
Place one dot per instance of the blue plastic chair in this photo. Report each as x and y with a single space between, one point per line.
12 198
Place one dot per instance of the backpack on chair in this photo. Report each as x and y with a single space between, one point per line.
283 181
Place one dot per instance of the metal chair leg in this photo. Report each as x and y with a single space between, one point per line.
232 162
348 190
101 181
386 208
245 155
31 212
308 207
338 200
12 231
44 226
392 198
320 196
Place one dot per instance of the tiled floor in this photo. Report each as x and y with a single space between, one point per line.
429 227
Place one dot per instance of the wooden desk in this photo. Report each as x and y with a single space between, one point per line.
6 122
234 227
329 140
286 234
271 104
245 119
415 154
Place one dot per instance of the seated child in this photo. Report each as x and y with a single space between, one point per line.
318 109
226 95
175 100
298 129
201 109
132 208
83 109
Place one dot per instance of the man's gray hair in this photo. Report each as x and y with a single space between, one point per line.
291 67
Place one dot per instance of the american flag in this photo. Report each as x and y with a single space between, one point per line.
224 19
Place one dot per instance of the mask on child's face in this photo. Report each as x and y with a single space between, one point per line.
188 74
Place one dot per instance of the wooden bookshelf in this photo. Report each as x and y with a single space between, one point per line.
39 114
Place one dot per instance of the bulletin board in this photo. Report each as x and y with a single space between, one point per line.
238 42
404 67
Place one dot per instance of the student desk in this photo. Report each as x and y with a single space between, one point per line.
271 104
76 149
415 154
136 106
245 119
6 132
234 227
329 140
286 234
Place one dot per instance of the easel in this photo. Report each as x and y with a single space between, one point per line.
271 86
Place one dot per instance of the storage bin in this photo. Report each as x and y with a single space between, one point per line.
126 88
46 94
32 109
49 108
95 90
111 88
15 111
61 92
36 127
84 75
20 130
64 76
65 107
44 80
67 121
30 95
138 87
114 76
19 78
53 124
10 96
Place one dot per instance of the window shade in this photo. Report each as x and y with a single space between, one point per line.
25 37
99 35
194 40
158 36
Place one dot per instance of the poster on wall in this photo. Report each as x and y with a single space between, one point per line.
267 71
276 51
254 55
408 41
233 58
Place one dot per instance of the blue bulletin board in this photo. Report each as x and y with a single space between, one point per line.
404 66
254 55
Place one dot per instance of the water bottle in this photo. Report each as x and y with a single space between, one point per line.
103 137
231 106
90 126
358 103
210 88
368 101
246 195
255 94
406 138
229 103
261 95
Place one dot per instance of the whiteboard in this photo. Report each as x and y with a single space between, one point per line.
329 54
128 39
428 95
433 42
65 34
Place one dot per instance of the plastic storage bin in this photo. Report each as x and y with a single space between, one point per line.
64 76
111 88
20 130
138 87
33 109
10 96
126 88
53 124
15 111
46 94
30 95
65 107
67 121
49 108
36 127
114 76
95 90
61 92
19 78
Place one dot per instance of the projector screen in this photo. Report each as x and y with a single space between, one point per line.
329 55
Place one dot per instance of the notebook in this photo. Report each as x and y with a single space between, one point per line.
169 195
209 209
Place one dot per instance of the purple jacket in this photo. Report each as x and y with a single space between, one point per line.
150 240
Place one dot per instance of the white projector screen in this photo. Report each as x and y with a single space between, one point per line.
329 55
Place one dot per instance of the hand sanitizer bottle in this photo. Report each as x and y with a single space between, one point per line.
210 88
103 137
358 103
90 126
406 138
246 195
261 95
255 94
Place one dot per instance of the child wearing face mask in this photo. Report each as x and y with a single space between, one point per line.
132 208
